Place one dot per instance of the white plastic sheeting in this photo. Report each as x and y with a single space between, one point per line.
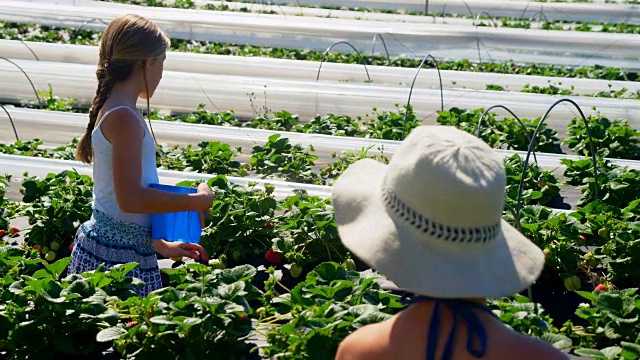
183 92
450 41
307 70
17 165
57 128
614 13
599 10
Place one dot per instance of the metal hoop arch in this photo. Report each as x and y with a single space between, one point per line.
13 125
324 57
512 114
386 50
28 78
406 114
532 144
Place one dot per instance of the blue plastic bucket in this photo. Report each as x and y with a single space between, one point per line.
181 226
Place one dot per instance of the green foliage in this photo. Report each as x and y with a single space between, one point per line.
540 186
341 163
308 234
278 159
242 221
210 157
55 206
331 303
621 140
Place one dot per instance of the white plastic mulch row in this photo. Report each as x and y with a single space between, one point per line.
308 70
58 128
599 10
614 13
183 92
410 39
17 165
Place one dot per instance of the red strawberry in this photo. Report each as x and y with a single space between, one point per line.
583 238
601 287
2 233
244 316
36 247
132 324
273 257
270 224
13 230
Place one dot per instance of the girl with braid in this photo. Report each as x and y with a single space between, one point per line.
121 147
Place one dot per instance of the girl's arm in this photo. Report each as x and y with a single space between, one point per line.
125 133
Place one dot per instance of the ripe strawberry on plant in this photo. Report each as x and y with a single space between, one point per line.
2 233
601 287
13 230
273 257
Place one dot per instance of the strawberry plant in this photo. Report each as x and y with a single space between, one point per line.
558 234
514 137
389 125
278 159
202 116
507 133
337 167
336 125
55 206
621 140
282 121
617 185
308 234
612 319
64 315
321 311
211 157
242 221
203 314
33 148
523 316
540 186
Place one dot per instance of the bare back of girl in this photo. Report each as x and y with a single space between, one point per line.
405 336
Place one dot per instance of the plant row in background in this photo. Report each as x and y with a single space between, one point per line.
33 32
616 135
481 20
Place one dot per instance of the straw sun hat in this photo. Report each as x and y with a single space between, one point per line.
431 220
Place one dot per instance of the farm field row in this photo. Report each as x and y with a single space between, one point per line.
556 10
37 33
249 96
444 41
480 18
352 73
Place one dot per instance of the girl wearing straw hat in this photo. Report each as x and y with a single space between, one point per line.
431 221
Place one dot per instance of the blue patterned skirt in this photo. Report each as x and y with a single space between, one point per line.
108 241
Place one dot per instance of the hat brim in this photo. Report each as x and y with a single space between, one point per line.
507 266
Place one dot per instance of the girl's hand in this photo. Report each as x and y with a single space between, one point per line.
207 197
180 249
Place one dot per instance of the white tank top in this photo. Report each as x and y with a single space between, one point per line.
104 195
